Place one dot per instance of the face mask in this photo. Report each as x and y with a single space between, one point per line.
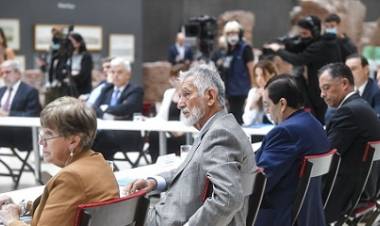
331 30
233 39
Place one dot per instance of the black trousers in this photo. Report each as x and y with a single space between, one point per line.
236 107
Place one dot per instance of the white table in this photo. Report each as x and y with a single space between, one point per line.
147 125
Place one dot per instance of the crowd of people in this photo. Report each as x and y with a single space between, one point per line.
327 101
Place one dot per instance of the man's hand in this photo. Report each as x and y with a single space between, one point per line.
141 184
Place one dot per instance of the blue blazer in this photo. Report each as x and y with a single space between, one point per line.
173 52
280 155
372 95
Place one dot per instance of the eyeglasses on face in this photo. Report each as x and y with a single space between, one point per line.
43 137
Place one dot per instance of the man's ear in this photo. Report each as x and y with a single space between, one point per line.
283 104
211 96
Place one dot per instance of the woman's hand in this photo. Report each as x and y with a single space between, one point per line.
5 200
9 213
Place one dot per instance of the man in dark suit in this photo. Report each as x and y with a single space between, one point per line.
365 85
297 133
179 53
118 101
17 99
350 128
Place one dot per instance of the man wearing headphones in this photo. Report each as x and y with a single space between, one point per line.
238 65
319 51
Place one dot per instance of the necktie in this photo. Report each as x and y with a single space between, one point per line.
7 103
115 96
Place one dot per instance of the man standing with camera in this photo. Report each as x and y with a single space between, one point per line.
318 51
238 65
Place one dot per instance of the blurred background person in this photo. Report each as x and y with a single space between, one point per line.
107 79
118 100
365 85
332 27
219 55
68 130
81 64
180 55
314 51
6 53
17 99
168 111
239 68
254 110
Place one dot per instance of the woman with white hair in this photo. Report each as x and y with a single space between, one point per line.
238 65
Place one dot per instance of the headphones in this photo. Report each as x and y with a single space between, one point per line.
315 25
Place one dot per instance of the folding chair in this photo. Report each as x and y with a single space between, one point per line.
356 213
16 173
311 166
127 211
256 197
330 179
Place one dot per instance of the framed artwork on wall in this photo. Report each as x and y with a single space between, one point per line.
92 35
122 45
43 35
11 28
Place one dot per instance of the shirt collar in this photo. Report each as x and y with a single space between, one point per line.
346 97
361 88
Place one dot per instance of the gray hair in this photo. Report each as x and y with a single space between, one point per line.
205 77
13 64
121 61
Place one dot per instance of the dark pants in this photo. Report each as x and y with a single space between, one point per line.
236 107
108 142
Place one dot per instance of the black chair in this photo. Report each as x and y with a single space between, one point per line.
356 213
311 166
16 173
127 211
256 197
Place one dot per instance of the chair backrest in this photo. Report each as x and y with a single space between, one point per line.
371 154
256 197
127 211
311 166
330 178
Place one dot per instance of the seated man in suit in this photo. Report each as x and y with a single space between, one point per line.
297 133
350 128
118 101
17 99
366 86
221 155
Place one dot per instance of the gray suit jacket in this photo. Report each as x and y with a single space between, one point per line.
223 154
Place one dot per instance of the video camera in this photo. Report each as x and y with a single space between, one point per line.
204 28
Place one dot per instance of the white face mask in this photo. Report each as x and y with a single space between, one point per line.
270 119
331 30
233 39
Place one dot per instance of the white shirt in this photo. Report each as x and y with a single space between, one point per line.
345 98
361 88
181 52
5 96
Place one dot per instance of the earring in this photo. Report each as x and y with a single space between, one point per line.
71 153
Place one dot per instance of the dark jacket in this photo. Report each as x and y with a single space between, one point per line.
319 53
372 95
25 104
351 127
82 81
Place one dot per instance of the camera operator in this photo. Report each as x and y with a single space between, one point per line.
332 27
70 67
313 51
238 65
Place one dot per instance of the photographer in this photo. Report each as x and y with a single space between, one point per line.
316 51
238 65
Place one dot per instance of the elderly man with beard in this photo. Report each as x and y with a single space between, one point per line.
220 155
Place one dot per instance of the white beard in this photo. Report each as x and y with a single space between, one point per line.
195 115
